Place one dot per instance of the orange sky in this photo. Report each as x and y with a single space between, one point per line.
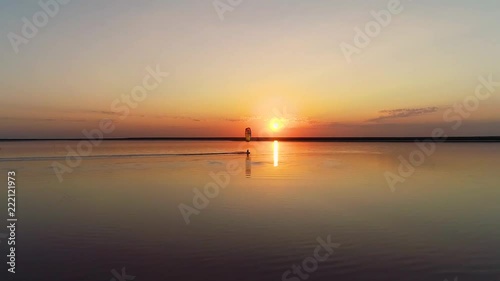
263 61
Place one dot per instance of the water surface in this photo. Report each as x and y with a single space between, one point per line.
123 211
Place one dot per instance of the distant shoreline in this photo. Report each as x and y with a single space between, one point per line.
286 139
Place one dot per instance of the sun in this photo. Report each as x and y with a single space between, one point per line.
276 124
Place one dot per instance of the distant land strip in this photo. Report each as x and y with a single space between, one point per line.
288 139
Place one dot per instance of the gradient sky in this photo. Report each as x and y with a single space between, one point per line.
266 60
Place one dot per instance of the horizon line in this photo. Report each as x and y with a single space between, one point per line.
284 139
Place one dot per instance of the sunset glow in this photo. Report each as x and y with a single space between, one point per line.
276 125
186 73
144 140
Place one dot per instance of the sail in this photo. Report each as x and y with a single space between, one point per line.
248 134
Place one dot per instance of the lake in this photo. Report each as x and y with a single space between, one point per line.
167 210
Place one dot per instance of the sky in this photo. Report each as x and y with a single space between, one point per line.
206 68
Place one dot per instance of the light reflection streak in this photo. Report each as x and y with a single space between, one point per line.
276 153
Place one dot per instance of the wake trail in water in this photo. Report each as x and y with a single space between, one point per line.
46 158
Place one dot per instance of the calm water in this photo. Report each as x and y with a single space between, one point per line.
123 211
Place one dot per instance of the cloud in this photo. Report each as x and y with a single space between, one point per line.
242 119
176 117
99 112
234 119
403 113
144 115
35 119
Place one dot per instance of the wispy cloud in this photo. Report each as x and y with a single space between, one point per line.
99 112
403 113
176 117
243 119
234 119
34 119
111 113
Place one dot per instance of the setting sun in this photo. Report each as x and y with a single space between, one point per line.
276 124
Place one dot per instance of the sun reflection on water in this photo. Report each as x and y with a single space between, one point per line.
276 153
